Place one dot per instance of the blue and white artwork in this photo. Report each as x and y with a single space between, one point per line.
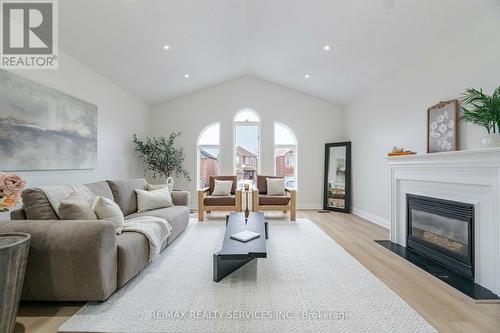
44 129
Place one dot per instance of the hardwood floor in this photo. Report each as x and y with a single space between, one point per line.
442 306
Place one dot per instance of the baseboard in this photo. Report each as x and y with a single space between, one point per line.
372 218
307 206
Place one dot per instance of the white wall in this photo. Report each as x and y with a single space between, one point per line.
120 115
314 121
394 112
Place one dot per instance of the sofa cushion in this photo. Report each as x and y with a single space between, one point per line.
149 200
101 189
213 178
72 209
280 200
18 214
132 253
219 200
124 193
37 206
222 187
262 183
177 216
107 209
276 186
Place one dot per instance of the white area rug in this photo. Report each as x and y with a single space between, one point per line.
307 283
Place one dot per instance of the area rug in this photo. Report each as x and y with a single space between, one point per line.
307 283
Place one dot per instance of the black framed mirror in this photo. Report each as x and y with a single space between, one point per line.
337 186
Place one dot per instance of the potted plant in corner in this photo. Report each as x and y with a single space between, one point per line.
483 110
162 158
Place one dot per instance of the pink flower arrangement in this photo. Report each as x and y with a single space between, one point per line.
11 186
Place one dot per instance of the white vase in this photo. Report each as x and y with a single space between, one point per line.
170 183
490 140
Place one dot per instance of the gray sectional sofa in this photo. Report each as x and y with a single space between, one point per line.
86 260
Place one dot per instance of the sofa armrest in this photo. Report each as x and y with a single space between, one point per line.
181 198
68 260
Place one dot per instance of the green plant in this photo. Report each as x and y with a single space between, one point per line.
482 109
161 157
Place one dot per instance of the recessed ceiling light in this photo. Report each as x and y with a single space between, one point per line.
326 47
307 76
166 47
386 4
186 76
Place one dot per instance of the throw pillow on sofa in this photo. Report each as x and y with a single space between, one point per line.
222 187
107 209
275 186
148 200
76 209
154 187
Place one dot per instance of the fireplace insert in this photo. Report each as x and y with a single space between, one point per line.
442 230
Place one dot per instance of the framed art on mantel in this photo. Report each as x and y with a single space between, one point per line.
442 125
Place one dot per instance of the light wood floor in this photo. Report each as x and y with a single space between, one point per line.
443 307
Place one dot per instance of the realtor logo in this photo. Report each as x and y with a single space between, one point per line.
29 34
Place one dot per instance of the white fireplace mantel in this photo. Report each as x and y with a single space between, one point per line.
471 176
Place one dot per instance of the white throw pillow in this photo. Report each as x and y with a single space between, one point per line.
148 200
222 187
153 187
275 186
107 209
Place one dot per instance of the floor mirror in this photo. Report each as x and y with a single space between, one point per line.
337 186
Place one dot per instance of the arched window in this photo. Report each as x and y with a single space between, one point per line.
208 154
285 154
247 145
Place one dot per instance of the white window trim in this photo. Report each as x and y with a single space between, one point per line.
247 123
287 146
199 147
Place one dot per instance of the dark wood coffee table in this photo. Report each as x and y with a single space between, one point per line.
235 254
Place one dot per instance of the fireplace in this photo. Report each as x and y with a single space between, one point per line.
442 230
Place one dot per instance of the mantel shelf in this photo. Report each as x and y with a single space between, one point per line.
471 154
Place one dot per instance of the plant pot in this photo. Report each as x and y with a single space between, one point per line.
170 183
490 140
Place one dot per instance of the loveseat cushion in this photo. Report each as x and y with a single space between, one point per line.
132 253
124 193
177 216
101 189
37 206
262 183
219 200
213 178
274 200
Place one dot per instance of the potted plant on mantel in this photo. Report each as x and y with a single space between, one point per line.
162 158
483 110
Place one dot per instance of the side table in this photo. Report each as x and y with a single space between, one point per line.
14 249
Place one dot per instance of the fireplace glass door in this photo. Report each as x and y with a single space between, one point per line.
448 233
442 230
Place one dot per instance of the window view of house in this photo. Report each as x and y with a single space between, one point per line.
247 139
246 164
208 154
285 153
285 165
209 165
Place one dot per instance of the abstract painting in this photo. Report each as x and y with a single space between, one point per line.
442 127
44 129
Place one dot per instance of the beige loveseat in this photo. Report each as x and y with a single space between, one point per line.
86 260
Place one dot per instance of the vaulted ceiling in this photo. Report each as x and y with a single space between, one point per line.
277 40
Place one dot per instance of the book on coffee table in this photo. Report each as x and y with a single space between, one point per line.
245 236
